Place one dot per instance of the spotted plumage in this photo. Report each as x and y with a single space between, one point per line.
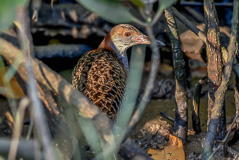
101 74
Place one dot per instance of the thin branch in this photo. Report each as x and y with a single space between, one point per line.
225 139
237 100
190 25
25 148
166 116
16 135
196 105
214 64
39 117
181 112
60 50
35 6
157 15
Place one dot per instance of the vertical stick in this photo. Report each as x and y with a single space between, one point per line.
237 100
196 105
39 117
221 91
181 112
214 55
237 81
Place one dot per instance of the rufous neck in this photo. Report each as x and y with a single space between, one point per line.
107 43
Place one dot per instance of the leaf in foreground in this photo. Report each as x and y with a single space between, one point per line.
112 11
8 10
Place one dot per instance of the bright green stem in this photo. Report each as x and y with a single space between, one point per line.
133 85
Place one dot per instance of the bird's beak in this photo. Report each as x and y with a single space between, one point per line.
143 39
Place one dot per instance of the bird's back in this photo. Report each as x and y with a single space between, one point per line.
101 76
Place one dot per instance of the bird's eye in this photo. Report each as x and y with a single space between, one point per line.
127 34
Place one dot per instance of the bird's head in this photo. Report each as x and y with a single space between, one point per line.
125 36
122 37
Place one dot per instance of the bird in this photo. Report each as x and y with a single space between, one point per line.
101 73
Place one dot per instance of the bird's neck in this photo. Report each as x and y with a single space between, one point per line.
107 43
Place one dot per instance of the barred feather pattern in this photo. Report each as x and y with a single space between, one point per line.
101 76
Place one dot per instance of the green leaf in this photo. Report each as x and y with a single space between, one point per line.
164 4
112 11
8 12
138 3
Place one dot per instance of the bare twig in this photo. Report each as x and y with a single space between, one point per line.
214 56
157 15
196 105
16 135
236 71
60 50
39 116
166 116
225 139
237 100
29 131
152 21
35 5
25 148
181 112
10 119
190 25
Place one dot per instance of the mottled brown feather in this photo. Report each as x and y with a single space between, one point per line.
101 76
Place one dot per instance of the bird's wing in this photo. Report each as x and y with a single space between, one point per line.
103 80
79 74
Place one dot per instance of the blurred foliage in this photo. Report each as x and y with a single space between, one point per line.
16 89
164 4
2 65
113 11
8 80
8 12
138 3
